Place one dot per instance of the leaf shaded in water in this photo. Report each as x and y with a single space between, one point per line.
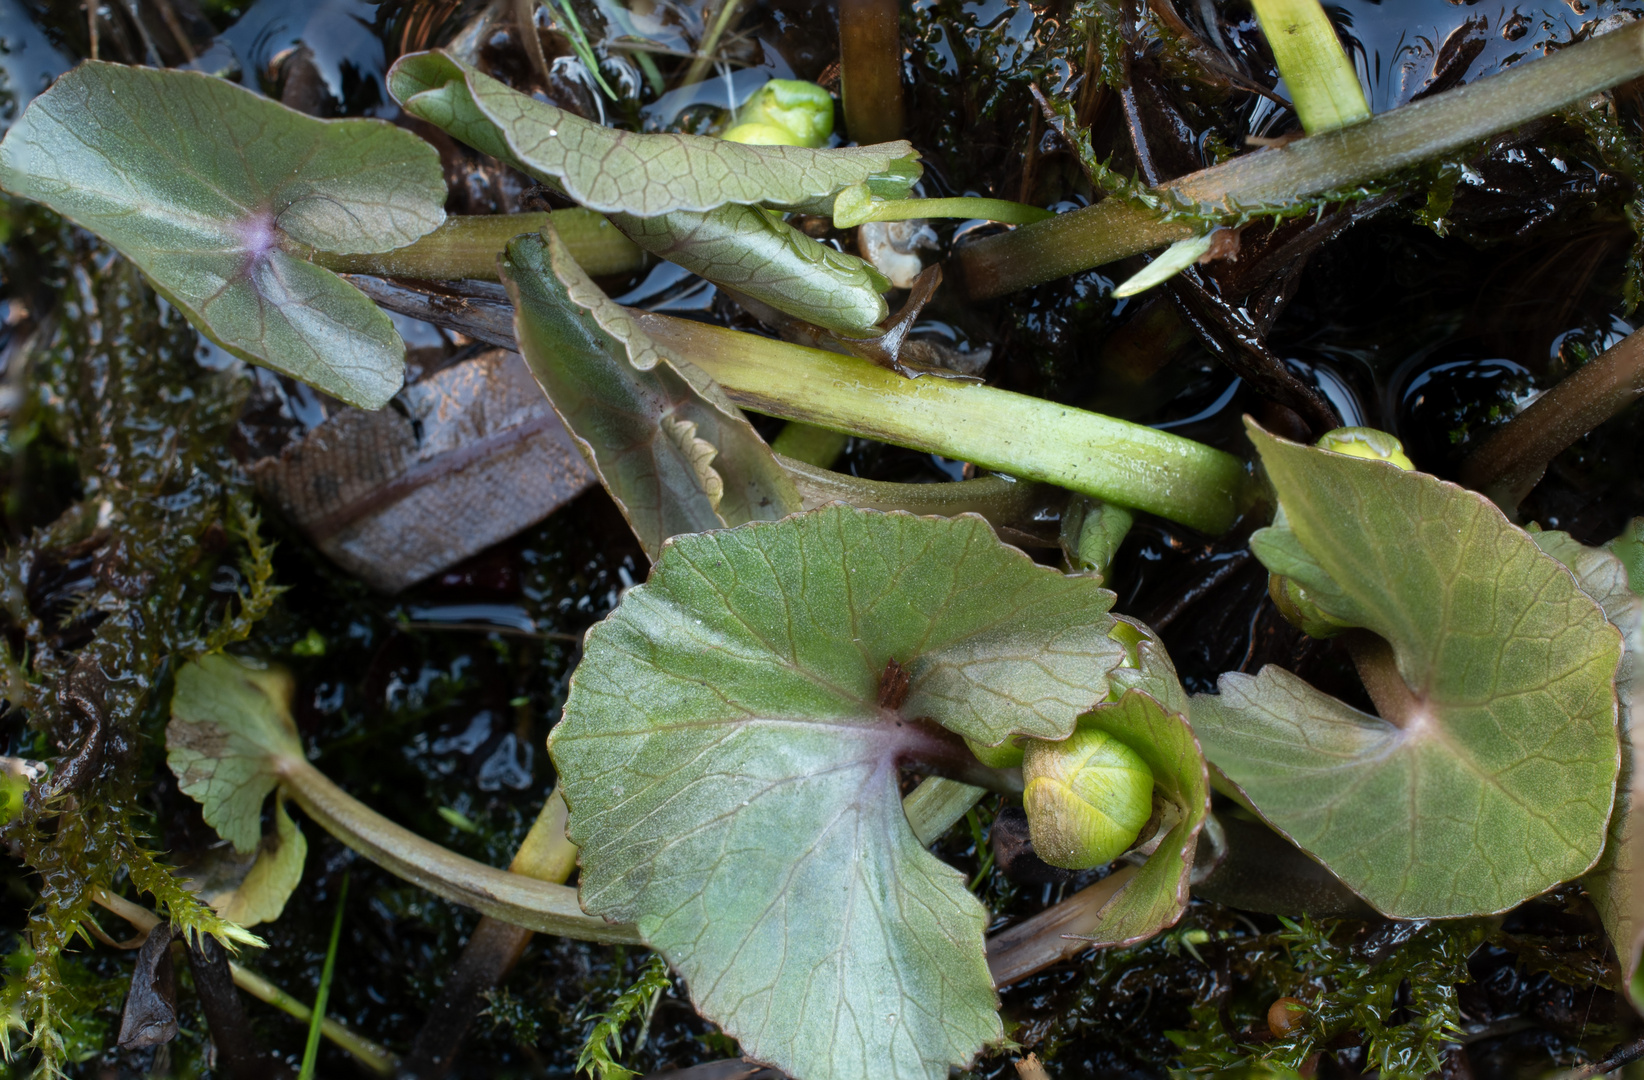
730 752
216 192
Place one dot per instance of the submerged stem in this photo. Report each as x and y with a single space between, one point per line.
1003 210
378 1059
1314 166
1512 460
870 69
467 246
1002 501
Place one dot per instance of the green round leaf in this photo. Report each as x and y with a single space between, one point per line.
1493 778
732 772
216 192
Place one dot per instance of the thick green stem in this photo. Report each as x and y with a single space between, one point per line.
468 246
1003 210
1317 165
513 898
936 804
810 444
1025 437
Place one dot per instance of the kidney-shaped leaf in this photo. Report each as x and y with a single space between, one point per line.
610 170
730 752
214 192
1493 776
674 452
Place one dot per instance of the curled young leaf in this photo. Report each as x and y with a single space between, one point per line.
672 450
623 171
1149 713
730 754
1490 774
217 194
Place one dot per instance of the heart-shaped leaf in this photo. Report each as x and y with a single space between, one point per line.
730 753
1616 884
670 447
216 193
261 894
624 171
1491 775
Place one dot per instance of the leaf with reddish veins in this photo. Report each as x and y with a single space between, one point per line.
217 194
1492 778
732 775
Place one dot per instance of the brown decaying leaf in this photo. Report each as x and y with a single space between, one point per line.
459 461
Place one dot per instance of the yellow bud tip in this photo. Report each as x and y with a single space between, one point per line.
1086 798
1366 442
761 135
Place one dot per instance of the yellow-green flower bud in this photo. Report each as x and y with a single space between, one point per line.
1366 442
1299 609
801 109
1087 798
1007 755
761 135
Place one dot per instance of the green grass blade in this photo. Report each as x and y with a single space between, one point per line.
312 1050
1323 86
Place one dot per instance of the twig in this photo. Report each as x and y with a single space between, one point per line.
1622 1055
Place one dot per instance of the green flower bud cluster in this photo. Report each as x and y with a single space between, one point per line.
1298 608
785 112
1087 798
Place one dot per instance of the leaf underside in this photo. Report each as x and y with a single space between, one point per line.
210 189
621 171
674 452
230 723
1498 783
733 781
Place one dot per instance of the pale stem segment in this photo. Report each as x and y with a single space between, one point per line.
1334 161
377 1058
467 246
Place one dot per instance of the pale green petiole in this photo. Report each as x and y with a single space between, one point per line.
1323 86
856 206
